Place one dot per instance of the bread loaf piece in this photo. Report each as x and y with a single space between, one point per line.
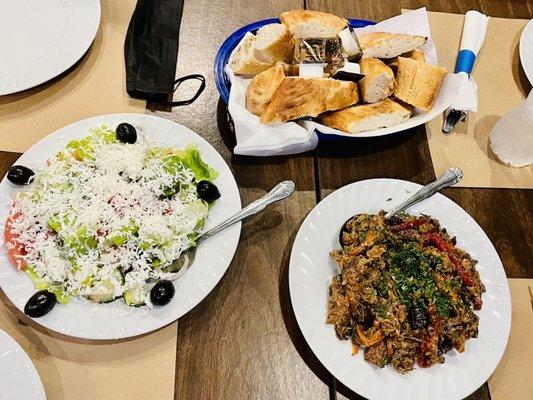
262 88
388 45
417 82
378 82
273 42
367 117
244 62
306 23
298 97
417 54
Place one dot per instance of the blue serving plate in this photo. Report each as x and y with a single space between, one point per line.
233 40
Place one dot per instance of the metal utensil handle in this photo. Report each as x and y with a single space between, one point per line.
279 192
448 178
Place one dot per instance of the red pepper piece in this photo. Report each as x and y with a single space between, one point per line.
466 277
431 341
423 360
408 225
437 241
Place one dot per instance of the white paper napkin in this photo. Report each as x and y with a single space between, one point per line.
256 139
473 37
474 31
466 99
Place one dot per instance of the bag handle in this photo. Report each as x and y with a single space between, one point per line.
179 81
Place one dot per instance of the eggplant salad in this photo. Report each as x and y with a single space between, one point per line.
406 293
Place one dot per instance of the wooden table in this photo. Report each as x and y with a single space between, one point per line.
242 341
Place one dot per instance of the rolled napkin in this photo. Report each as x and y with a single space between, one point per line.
474 31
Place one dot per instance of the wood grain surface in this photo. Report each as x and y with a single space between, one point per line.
242 341
236 344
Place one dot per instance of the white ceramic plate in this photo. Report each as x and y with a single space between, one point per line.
40 39
20 379
526 50
115 320
311 270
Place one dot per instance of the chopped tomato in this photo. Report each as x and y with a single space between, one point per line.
437 241
14 249
408 225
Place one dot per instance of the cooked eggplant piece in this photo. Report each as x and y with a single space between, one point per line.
418 317
320 50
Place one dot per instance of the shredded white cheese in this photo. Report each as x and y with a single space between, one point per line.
98 219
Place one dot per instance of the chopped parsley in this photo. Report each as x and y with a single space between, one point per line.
382 310
411 272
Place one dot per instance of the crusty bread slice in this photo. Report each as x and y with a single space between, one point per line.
262 88
417 82
416 54
378 82
367 117
388 45
298 97
273 42
244 62
312 24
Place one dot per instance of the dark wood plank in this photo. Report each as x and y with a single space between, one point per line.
6 160
242 341
505 215
377 10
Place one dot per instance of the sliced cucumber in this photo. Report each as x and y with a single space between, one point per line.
104 291
134 297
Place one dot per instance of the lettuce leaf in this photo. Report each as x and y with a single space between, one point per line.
191 159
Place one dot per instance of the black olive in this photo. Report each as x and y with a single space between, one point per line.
40 303
207 191
20 175
162 293
126 133
418 317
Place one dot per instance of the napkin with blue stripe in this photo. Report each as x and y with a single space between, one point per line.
474 31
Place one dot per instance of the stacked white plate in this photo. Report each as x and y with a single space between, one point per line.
41 39
526 50
19 378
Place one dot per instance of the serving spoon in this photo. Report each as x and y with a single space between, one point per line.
281 191
448 178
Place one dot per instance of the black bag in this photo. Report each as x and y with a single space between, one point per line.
151 51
